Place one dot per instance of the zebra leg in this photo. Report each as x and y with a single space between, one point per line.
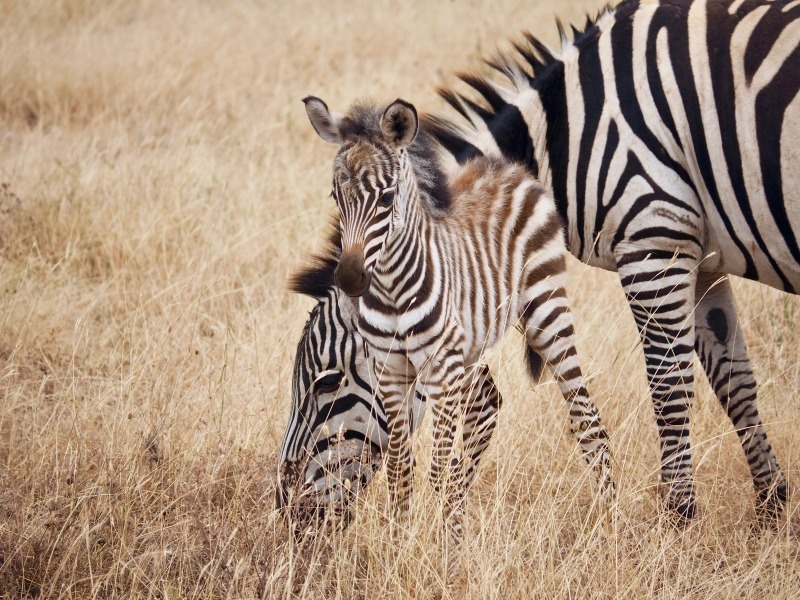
444 386
721 347
482 403
550 333
659 286
396 387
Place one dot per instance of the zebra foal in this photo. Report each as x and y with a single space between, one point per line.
442 269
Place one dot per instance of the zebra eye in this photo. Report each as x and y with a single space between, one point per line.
387 197
329 383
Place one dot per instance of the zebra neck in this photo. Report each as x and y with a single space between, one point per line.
403 264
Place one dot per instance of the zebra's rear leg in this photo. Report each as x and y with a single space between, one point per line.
481 403
550 334
660 286
721 347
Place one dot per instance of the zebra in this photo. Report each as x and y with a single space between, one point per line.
666 132
441 271
337 434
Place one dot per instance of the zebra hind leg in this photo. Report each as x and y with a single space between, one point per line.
550 335
482 402
445 386
723 353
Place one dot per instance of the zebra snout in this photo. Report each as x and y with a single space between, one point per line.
281 496
289 476
351 277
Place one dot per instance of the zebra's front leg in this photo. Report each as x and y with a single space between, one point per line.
550 333
660 287
721 347
396 378
482 403
444 387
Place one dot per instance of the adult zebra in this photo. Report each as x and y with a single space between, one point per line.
439 282
667 133
337 435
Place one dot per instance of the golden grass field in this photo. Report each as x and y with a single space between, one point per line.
159 182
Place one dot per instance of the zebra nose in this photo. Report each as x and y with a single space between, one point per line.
281 496
351 277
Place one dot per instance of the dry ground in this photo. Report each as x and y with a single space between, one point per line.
159 182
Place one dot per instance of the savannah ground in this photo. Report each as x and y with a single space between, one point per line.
159 182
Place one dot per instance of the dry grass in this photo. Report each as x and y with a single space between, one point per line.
159 182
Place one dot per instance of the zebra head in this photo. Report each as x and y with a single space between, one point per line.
336 433
366 175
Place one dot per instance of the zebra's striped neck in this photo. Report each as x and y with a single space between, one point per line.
403 245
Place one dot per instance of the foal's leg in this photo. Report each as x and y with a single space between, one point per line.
549 332
396 378
721 348
482 403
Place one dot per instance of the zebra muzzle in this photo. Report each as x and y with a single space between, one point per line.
351 277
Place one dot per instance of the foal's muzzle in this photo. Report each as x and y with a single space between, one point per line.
351 277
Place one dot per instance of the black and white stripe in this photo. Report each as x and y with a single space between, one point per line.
667 132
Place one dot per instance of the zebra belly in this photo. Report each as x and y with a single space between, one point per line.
763 241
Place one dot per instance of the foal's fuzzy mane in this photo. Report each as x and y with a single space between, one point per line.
439 134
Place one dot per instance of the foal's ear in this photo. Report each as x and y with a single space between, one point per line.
399 123
325 123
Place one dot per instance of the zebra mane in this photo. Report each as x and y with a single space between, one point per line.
363 120
315 279
527 67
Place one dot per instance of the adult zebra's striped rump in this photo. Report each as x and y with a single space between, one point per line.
435 289
667 133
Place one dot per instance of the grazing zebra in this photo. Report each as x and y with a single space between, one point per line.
442 270
337 431
668 134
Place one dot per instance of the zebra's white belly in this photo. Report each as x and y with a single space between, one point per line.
769 232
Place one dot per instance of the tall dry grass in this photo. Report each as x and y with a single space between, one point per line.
159 182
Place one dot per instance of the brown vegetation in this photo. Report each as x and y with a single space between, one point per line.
158 183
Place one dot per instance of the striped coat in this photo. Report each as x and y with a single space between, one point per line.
666 132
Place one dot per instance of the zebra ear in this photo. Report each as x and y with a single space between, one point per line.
400 123
324 122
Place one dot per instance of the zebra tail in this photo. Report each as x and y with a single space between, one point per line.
534 362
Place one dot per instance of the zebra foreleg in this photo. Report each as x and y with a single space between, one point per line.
396 379
482 403
659 286
445 387
721 347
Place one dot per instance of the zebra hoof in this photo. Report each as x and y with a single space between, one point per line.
682 510
771 501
